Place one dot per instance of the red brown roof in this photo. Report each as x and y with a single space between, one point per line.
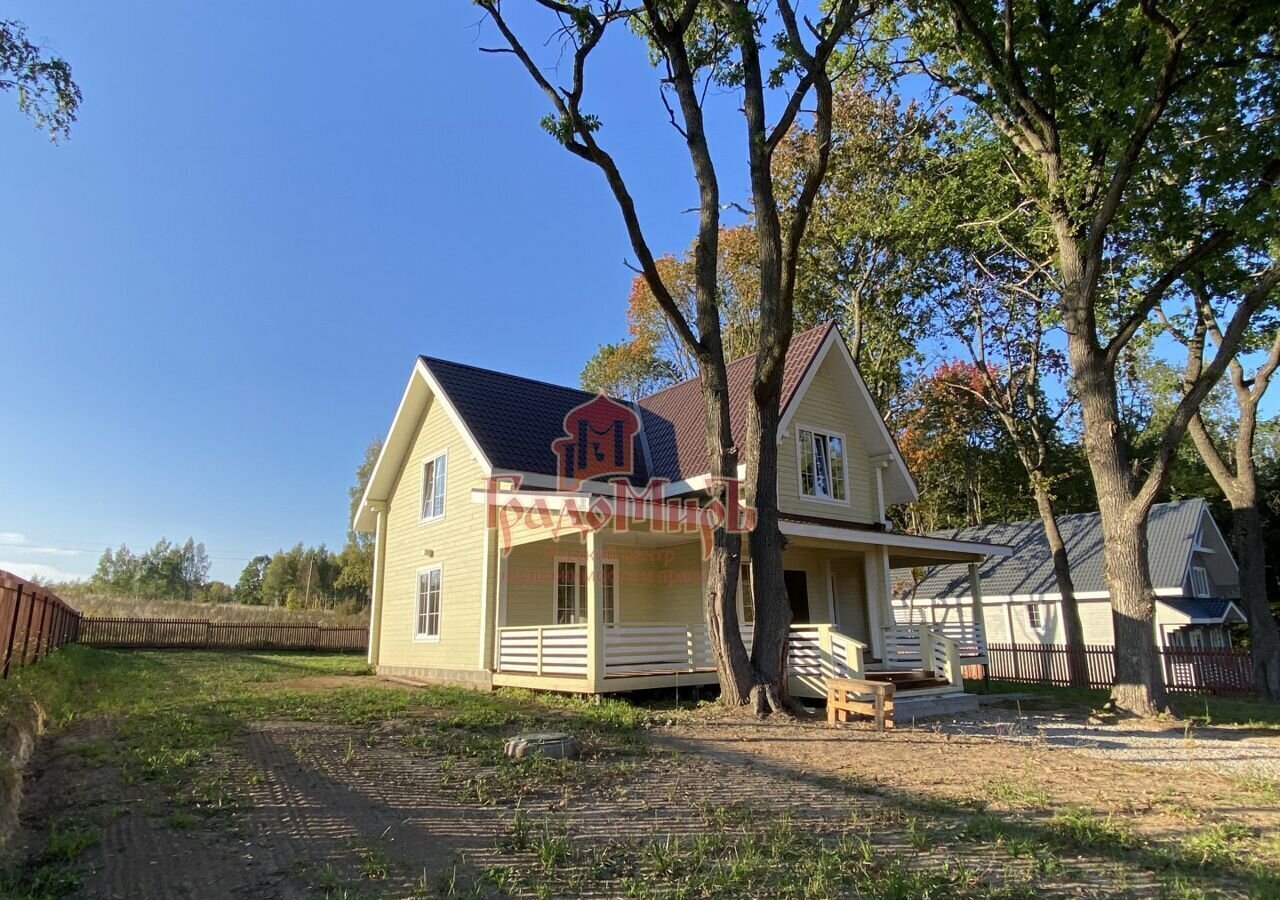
674 418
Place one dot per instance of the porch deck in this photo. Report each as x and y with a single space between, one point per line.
658 655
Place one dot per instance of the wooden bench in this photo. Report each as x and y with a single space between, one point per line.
847 696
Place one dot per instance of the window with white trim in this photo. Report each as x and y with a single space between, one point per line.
427 618
746 599
1033 615
821 464
433 480
1199 581
571 592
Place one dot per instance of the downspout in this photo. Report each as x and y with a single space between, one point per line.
376 578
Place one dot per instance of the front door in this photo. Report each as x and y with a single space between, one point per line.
797 583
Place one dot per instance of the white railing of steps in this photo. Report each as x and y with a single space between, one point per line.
814 652
922 647
969 636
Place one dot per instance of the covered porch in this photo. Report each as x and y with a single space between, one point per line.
610 612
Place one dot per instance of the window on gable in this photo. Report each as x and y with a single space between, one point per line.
571 593
1033 615
1199 581
433 481
821 465
428 607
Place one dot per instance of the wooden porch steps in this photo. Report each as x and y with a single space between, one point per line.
908 679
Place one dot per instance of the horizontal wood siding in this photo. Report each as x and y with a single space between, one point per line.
454 542
824 406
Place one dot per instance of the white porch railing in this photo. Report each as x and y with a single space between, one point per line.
970 641
814 652
969 636
543 650
922 647
636 649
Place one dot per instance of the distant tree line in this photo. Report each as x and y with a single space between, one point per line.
166 571
298 578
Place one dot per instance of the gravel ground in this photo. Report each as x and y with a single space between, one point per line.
1234 752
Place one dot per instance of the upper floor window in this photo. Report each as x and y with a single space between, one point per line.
1033 615
433 478
1199 581
821 465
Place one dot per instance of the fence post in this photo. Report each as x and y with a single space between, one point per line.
1017 669
13 630
42 633
26 631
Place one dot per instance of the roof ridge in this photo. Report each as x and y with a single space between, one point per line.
563 387
1076 515
830 323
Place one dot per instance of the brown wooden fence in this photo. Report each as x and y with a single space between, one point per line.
1186 670
201 634
33 622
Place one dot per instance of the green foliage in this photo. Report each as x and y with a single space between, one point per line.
628 370
45 89
165 571
249 587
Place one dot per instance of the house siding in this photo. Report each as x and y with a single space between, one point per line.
823 407
456 544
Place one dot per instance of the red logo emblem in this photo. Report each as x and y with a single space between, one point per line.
599 441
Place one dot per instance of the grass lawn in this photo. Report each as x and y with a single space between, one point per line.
174 773
1199 708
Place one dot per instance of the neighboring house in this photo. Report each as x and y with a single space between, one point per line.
515 543
1192 571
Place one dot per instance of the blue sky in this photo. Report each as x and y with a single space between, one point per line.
214 292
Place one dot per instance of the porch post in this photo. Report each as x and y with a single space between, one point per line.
376 580
595 612
874 625
975 591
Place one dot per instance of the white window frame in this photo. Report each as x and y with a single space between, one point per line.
427 636
438 461
1035 620
1199 581
844 464
744 585
581 602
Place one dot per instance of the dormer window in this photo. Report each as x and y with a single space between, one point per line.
433 478
821 465
1199 581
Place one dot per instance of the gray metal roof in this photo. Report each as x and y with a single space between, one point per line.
1206 610
1171 529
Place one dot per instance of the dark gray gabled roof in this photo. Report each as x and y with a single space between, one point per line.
1203 610
515 420
1171 529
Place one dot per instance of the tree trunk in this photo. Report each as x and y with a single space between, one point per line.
1077 661
1264 650
719 596
1139 688
773 609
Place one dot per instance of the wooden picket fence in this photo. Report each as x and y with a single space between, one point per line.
1216 670
33 622
202 634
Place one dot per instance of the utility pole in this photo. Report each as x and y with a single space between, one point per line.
306 600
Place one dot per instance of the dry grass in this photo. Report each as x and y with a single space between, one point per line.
102 606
